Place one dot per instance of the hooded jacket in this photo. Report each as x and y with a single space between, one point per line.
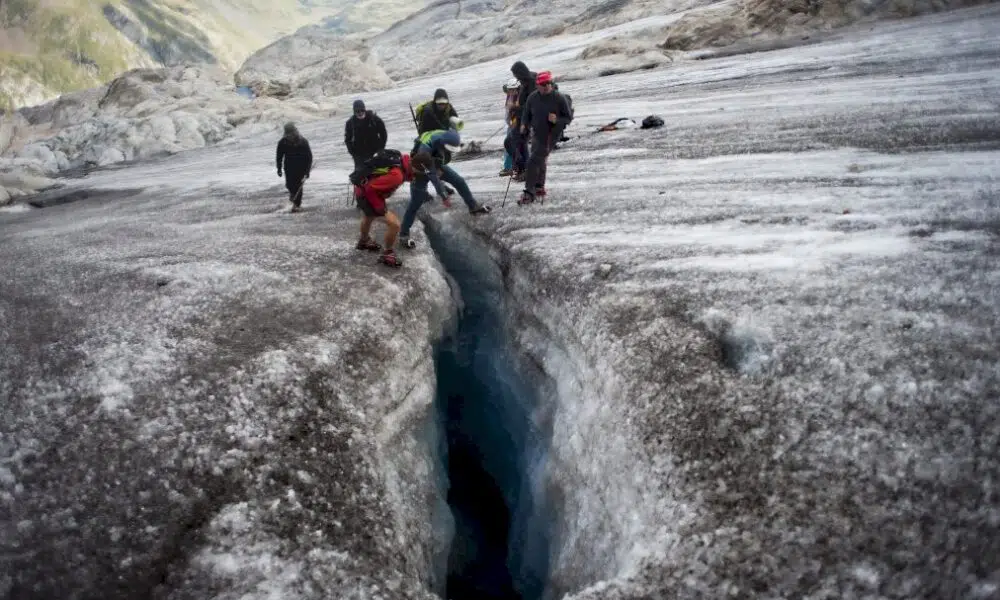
365 137
527 79
294 155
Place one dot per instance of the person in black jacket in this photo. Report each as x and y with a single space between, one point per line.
546 115
364 134
516 143
295 156
437 115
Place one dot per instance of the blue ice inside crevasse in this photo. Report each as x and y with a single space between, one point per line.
494 443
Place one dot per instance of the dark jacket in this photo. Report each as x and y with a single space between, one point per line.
527 79
434 118
297 155
365 137
536 115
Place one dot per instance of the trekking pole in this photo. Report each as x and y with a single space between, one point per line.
509 179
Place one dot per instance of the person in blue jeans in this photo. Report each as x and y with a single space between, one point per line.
435 144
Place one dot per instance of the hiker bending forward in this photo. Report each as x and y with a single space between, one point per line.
433 146
296 159
371 197
546 114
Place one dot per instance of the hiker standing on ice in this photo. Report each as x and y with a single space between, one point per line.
433 146
546 114
294 157
511 90
373 190
516 142
364 134
436 115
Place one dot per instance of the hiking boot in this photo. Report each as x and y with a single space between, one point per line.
368 244
406 242
518 175
540 190
526 198
295 209
480 209
506 172
388 258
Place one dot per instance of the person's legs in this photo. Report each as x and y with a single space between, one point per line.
391 229
536 163
365 242
521 154
418 195
293 183
449 175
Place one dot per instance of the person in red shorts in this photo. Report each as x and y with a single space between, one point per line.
371 197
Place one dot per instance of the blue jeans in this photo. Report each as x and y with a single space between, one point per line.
419 195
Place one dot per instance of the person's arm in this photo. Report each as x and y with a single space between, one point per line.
526 115
348 138
380 131
280 154
564 116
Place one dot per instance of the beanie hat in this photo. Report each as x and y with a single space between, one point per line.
359 106
290 128
440 94
544 77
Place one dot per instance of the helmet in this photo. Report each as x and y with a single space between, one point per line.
512 84
544 77
456 123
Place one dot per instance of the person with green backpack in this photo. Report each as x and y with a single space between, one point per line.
436 114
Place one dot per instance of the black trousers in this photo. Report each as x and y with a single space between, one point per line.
534 174
294 183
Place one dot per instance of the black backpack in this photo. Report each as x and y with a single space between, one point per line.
378 164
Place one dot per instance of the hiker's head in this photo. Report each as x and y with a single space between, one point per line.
441 99
359 109
544 82
520 70
291 132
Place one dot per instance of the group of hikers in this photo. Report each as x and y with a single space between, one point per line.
536 115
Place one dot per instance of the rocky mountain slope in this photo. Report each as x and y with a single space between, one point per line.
49 48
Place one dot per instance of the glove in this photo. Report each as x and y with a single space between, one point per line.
279 172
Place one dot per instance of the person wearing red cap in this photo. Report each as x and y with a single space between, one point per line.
546 114
371 197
